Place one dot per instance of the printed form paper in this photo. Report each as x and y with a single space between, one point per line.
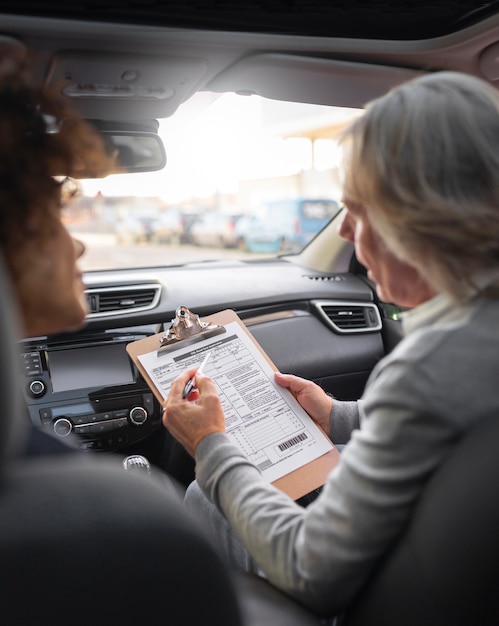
263 419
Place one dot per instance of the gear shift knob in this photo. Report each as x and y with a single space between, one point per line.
136 462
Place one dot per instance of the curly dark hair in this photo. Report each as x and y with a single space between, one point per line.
42 141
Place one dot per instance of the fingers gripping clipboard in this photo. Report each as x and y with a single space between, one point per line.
265 420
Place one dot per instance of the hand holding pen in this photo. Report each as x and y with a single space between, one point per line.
190 383
189 422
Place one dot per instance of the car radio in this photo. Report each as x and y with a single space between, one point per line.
91 389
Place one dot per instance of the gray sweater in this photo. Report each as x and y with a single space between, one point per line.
441 379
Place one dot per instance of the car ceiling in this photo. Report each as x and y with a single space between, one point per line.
333 52
304 51
391 19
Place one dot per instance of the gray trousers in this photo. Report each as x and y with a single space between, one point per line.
225 540
219 532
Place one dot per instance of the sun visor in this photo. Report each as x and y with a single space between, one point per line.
310 79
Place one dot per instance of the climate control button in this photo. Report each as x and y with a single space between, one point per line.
63 427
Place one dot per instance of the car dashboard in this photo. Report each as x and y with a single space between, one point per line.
321 326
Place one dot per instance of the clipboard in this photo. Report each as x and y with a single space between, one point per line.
298 482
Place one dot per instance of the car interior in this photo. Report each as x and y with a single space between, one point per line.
141 73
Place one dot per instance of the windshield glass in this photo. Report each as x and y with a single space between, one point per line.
246 177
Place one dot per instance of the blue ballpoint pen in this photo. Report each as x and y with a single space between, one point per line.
190 383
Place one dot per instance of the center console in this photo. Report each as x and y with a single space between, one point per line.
90 388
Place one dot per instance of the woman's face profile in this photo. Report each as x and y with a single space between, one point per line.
396 281
48 281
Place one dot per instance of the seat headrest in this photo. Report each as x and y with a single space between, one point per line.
13 425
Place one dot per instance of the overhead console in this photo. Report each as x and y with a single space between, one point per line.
89 388
105 85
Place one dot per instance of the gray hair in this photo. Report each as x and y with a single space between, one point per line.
424 160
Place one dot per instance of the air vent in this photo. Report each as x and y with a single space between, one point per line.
349 317
107 301
336 278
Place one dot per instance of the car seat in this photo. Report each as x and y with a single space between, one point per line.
445 568
82 542
443 571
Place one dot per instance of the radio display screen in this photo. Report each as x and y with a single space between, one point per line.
95 366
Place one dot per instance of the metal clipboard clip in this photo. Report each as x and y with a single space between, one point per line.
187 328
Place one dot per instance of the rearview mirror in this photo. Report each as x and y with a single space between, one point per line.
135 146
135 151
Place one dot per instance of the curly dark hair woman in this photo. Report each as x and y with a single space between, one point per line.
43 143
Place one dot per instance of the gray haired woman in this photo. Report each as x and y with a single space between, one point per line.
421 191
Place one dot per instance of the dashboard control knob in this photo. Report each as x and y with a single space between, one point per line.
37 388
138 415
63 427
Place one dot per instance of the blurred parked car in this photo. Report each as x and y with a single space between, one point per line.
188 221
256 233
135 228
215 229
168 227
287 226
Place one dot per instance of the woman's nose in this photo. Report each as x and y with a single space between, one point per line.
346 228
79 247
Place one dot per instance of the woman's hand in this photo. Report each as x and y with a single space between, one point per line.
312 398
196 417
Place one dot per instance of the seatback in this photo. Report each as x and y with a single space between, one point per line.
82 542
444 571
11 431
92 545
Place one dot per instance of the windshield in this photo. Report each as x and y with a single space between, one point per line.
246 177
